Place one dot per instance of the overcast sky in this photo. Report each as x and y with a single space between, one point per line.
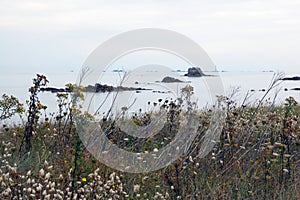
237 34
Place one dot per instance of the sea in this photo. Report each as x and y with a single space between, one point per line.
245 87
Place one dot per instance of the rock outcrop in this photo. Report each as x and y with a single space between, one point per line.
295 78
169 79
97 88
194 72
107 88
296 89
54 90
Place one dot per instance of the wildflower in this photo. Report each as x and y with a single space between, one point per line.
39 188
275 154
286 170
61 177
28 173
14 169
136 188
8 191
47 176
279 144
40 106
83 179
42 172
48 196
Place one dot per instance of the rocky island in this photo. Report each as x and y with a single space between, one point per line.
97 88
295 78
194 72
169 79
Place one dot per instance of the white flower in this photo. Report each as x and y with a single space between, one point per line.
136 188
49 196
61 177
38 188
14 169
28 173
42 172
275 154
8 190
46 163
47 176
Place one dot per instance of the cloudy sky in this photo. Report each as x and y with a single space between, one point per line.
237 34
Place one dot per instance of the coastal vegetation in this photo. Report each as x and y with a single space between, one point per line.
43 157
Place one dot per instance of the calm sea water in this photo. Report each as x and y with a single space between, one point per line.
17 84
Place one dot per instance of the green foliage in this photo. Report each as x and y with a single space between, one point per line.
9 106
